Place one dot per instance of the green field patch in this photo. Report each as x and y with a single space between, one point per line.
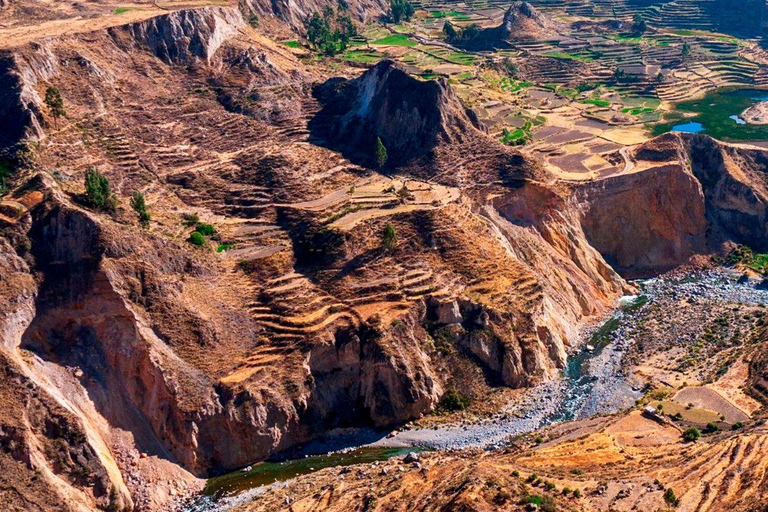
292 44
394 40
569 56
362 56
121 10
596 101
636 111
465 59
517 136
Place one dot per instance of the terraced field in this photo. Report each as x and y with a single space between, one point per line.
577 98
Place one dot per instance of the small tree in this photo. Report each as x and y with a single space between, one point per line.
388 237
449 31
97 191
686 51
140 207
55 104
381 153
640 25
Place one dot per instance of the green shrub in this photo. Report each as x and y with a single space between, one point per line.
388 237
577 493
452 401
205 229
195 238
737 425
534 499
691 435
670 498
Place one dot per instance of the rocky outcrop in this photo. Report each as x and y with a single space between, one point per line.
646 222
21 116
183 37
410 116
522 21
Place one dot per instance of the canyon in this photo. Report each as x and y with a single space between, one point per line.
329 290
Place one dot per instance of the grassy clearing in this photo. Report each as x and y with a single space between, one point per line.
292 44
121 10
465 59
394 40
459 16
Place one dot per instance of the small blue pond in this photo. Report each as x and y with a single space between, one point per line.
688 128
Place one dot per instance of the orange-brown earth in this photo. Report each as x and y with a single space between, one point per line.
137 363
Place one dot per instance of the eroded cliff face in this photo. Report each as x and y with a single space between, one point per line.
690 195
182 36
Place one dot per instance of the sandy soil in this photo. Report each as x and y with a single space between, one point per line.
757 113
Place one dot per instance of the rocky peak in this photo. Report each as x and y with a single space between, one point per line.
411 116
523 21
